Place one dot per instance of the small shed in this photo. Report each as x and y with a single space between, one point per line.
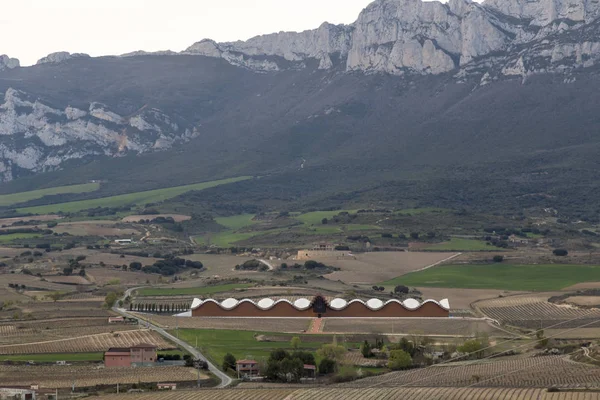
167 386
310 371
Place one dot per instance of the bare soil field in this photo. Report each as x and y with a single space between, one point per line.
7 294
10 221
222 265
586 301
533 311
406 326
9 252
61 309
581 333
94 228
22 332
116 259
33 282
137 218
69 280
462 298
52 377
583 286
379 267
256 392
532 372
284 325
103 276
89 344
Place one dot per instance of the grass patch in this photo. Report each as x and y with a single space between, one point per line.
417 211
242 344
224 239
501 276
316 217
52 358
150 196
236 222
458 244
204 290
359 227
18 236
16 198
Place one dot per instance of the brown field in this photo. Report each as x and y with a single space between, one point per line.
33 282
461 298
432 327
102 276
61 309
581 333
9 252
116 259
583 286
586 301
7 294
532 372
222 265
10 221
94 228
70 280
533 311
22 332
64 376
137 218
361 394
287 325
379 267
89 344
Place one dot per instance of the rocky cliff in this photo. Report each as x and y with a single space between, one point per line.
8 63
36 137
400 36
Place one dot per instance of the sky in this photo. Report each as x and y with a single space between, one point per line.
34 28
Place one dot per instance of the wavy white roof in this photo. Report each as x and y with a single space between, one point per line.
336 304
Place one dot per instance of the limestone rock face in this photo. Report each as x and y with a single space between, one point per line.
38 138
399 36
8 63
58 57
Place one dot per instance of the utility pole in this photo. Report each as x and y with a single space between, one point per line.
117 388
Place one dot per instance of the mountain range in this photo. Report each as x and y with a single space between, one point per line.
411 101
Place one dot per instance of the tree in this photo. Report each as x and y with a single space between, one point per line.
498 259
401 289
110 299
295 343
327 366
67 271
229 362
135 266
332 352
473 347
414 235
55 296
82 272
324 221
365 349
399 359
560 252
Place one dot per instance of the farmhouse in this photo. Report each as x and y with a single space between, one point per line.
319 307
139 355
247 368
17 392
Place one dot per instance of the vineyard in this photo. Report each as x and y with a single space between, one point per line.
366 394
88 344
534 311
34 283
531 372
60 309
457 327
243 324
65 376
54 329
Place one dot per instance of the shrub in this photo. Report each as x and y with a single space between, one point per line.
399 359
560 252
401 289
229 362
498 259
327 366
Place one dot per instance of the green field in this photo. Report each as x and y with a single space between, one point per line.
7 200
52 358
501 276
17 236
236 222
224 239
242 344
150 196
204 290
457 244
316 217
417 211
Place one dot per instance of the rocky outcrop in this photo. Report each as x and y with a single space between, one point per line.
36 137
8 63
59 57
398 36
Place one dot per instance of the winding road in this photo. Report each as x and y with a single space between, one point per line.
225 379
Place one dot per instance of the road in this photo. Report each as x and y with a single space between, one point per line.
225 379
268 264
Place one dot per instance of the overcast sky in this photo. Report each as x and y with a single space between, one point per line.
34 28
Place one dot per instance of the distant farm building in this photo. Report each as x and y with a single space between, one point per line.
166 386
139 355
247 368
323 250
18 392
123 242
116 320
319 307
